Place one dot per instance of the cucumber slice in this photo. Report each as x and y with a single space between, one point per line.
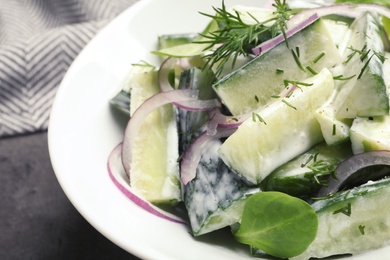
365 94
287 129
170 40
158 179
304 175
254 84
334 130
216 197
192 123
352 222
370 133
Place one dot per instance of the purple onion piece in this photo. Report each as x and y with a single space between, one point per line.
267 45
357 170
114 170
143 111
163 81
193 154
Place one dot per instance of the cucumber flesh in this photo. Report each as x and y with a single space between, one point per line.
158 180
352 222
365 94
304 175
287 130
370 133
254 84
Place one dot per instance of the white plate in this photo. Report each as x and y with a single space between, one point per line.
83 130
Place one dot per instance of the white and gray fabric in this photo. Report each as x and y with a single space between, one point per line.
39 39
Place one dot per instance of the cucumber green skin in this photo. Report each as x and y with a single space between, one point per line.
216 197
192 123
303 184
259 77
367 95
366 228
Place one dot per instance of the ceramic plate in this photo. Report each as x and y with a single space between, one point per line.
84 129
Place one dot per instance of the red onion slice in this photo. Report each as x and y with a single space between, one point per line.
163 73
219 120
348 170
163 79
117 176
308 16
143 111
194 152
267 45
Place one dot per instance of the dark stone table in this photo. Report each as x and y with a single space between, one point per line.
37 221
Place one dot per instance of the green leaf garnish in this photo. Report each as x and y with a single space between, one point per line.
277 223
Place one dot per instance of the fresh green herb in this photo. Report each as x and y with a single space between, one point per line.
289 94
279 71
316 59
320 169
311 157
235 37
364 67
257 99
311 70
347 210
380 56
288 104
279 224
257 118
341 77
364 53
286 82
275 96
361 229
334 129
377 54
297 61
297 51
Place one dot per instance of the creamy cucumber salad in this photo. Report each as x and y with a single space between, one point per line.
273 123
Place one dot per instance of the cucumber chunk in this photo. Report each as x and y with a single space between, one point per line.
158 179
192 123
216 197
304 175
288 128
170 40
253 85
352 222
365 94
370 133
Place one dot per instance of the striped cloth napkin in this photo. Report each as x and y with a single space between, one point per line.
39 39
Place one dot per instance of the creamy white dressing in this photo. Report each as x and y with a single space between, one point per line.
214 199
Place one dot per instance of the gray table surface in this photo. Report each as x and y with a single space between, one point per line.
37 221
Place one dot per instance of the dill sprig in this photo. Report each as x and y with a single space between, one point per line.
320 169
235 37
